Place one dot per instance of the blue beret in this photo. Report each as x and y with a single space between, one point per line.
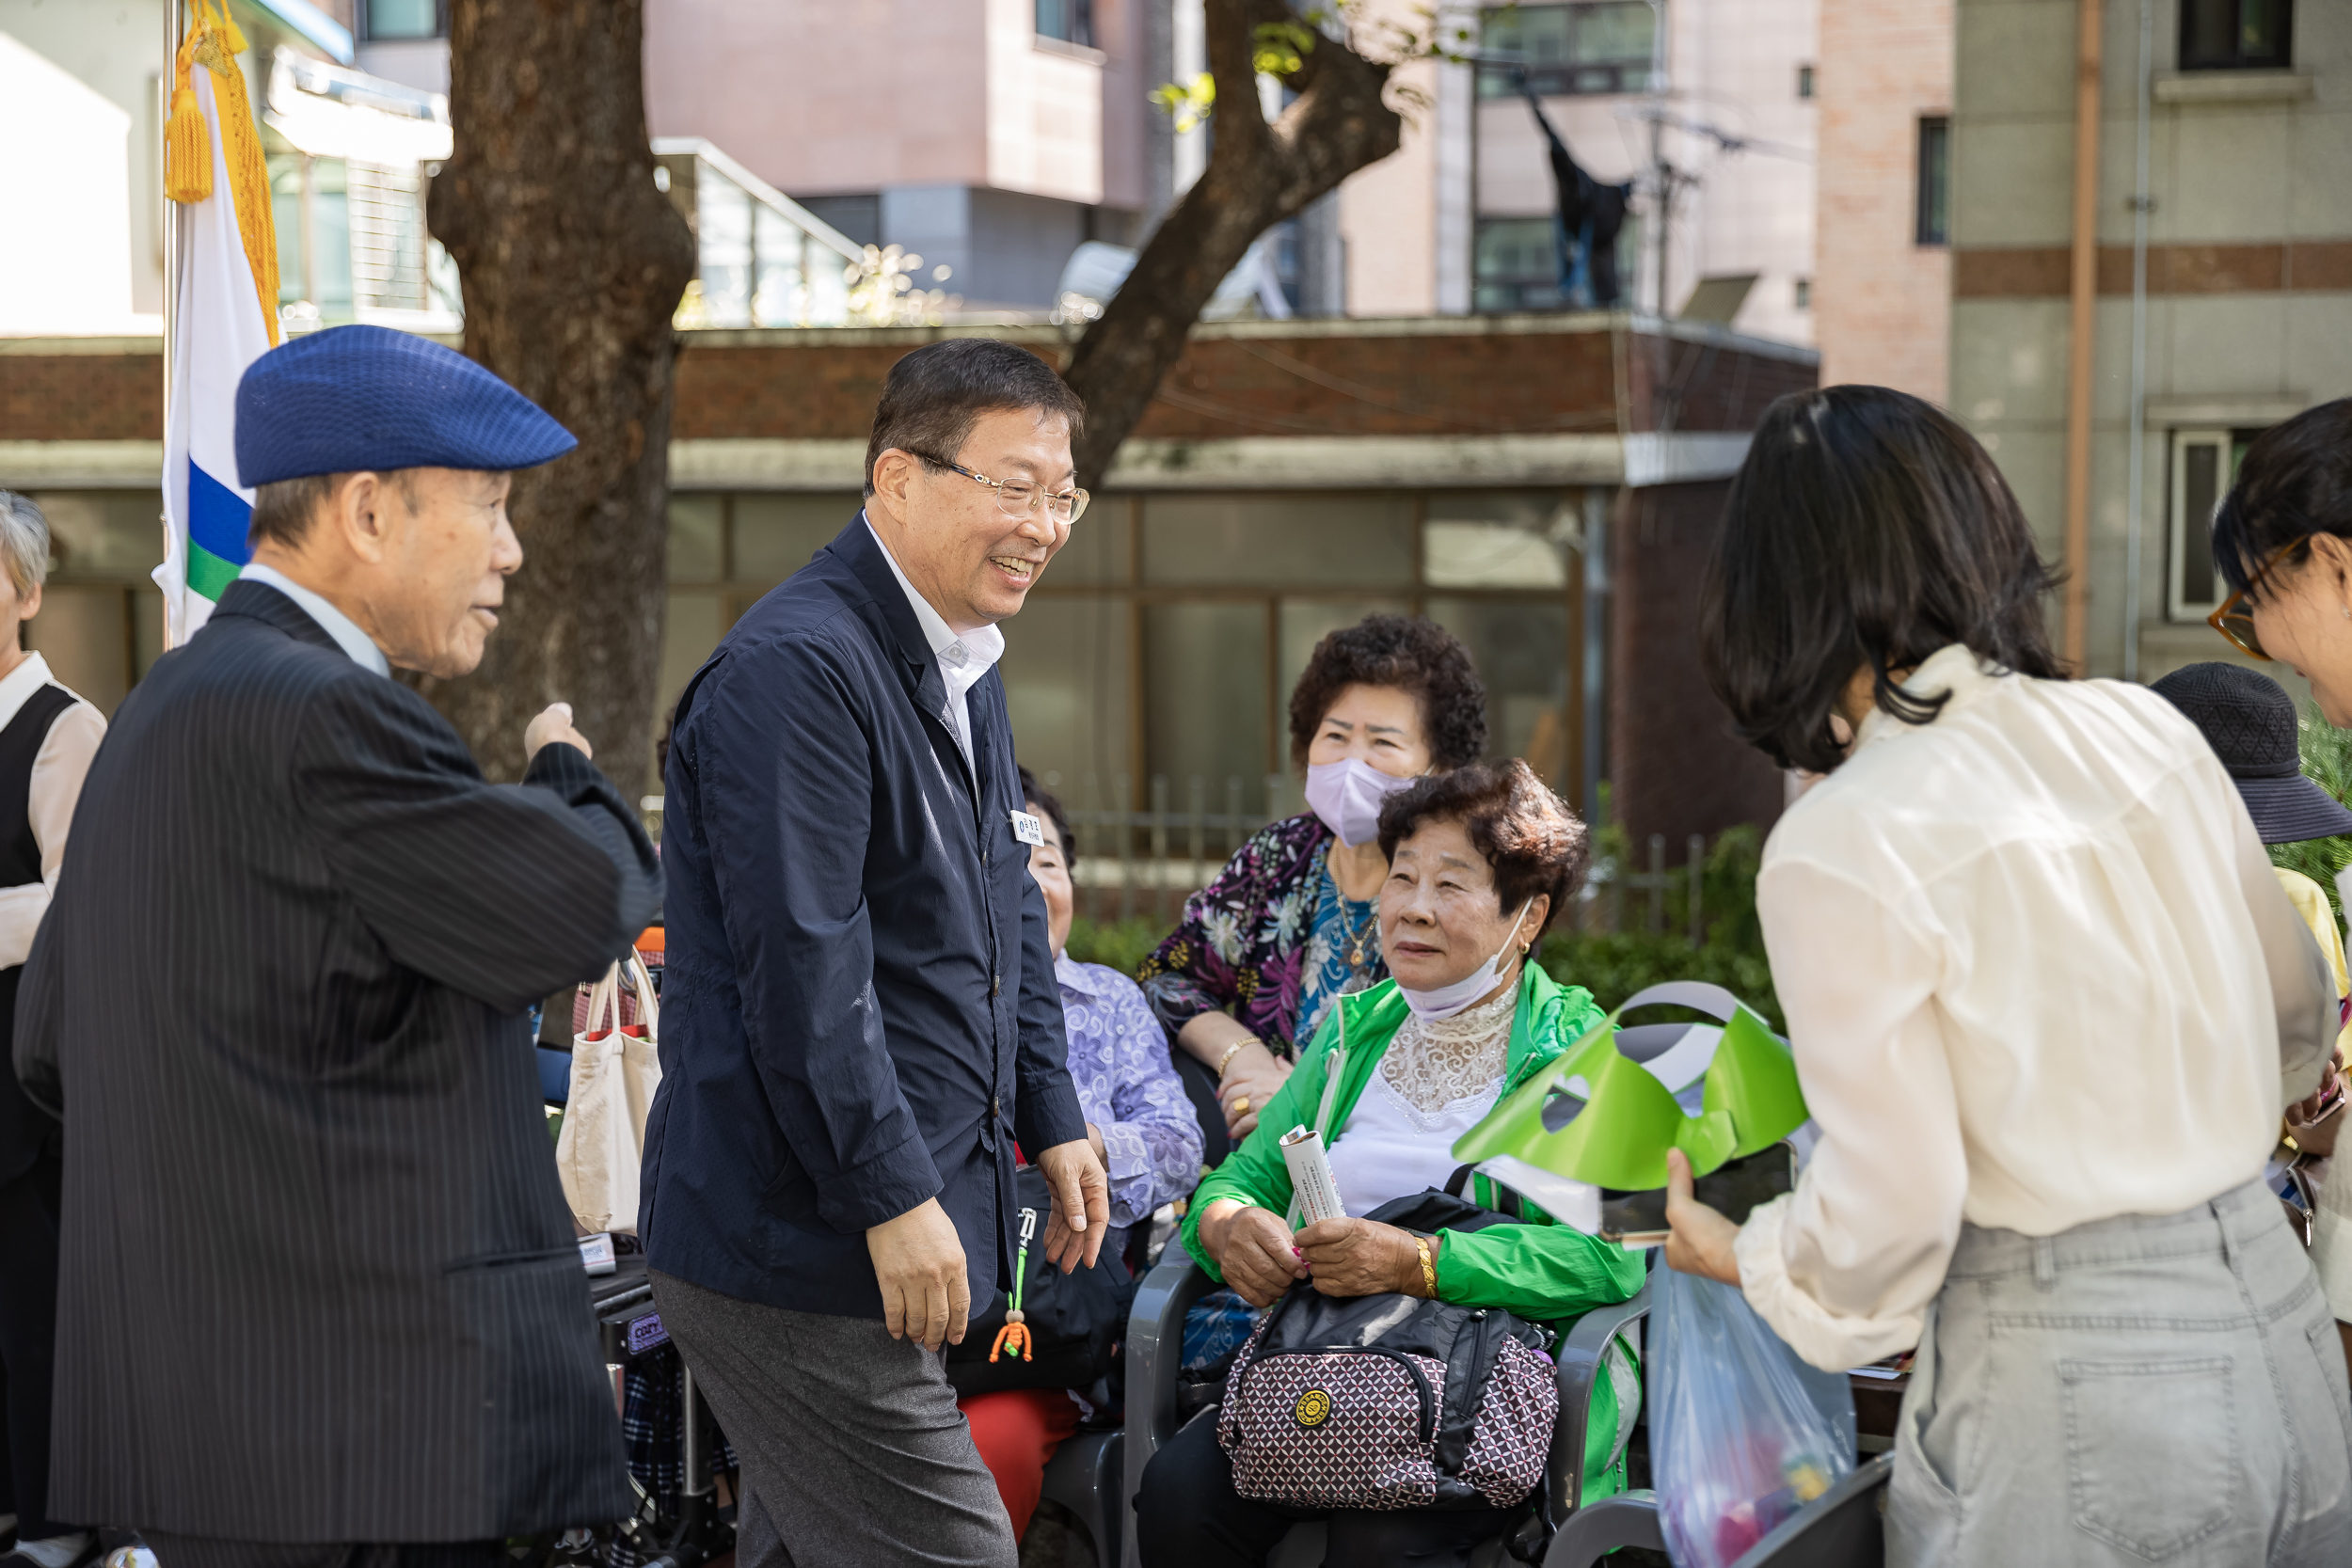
368 397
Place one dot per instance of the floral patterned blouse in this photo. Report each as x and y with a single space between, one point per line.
1129 1089
1269 940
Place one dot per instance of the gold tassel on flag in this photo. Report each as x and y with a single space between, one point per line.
188 168
188 163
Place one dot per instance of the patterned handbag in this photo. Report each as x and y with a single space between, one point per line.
1388 1402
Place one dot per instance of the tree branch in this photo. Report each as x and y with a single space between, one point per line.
1258 175
1232 49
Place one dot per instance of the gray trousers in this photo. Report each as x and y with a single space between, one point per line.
853 1448
2146 1390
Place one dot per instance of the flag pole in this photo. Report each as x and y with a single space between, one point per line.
175 26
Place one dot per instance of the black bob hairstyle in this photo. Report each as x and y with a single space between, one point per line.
1866 528
2295 480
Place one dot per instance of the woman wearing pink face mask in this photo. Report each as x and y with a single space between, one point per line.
1290 923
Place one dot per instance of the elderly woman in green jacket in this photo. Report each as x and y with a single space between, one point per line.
1479 860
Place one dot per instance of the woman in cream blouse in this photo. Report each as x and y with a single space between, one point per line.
2047 1002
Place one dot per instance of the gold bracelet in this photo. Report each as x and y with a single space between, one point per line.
1230 1052
1428 1267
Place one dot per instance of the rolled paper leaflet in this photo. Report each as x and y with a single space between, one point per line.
1310 1176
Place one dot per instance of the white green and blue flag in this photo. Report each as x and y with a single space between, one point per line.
221 326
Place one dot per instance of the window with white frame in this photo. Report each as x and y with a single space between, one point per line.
2204 465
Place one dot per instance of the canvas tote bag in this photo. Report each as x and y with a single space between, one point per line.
614 1072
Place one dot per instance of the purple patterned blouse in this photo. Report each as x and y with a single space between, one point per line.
1263 941
1129 1089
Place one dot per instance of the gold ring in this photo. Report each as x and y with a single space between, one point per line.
1241 1105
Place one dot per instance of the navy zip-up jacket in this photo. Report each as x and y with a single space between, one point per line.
860 1011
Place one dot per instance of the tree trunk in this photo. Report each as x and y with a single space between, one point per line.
572 263
1257 176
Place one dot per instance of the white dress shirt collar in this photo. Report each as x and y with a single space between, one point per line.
338 625
964 658
20 684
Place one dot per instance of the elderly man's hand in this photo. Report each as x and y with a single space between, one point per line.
554 722
1081 1204
1257 1256
919 1263
1363 1258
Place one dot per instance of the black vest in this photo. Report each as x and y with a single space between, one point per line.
24 1130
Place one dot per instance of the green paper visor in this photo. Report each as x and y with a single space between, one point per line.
1598 1116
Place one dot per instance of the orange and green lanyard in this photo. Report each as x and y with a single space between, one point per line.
1015 1336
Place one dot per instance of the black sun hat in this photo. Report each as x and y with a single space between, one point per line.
2250 721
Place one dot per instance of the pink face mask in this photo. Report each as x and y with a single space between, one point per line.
1348 795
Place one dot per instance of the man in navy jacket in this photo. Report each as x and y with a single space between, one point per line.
862 1018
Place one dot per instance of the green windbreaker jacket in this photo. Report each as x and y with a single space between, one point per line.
1543 1272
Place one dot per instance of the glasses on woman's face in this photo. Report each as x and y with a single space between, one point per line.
2235 620
1019 500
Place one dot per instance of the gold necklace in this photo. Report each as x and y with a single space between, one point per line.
1362 929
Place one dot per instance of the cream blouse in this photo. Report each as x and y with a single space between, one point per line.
2037 972
59 769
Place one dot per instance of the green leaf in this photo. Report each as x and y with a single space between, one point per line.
1280 49
2327 763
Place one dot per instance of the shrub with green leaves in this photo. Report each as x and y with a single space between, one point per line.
1122 944
2327 763
1612 965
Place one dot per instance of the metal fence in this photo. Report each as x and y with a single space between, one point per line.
1143 864
1146 863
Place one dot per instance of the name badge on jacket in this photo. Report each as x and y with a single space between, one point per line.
1027 829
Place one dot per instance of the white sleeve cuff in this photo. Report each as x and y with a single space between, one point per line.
1822 1337
2331 1237
21 908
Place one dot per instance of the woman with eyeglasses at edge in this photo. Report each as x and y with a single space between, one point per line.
1291 922
2047 1001
2283 540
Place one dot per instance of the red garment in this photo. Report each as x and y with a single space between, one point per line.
1017 1431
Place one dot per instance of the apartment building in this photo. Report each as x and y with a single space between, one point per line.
2223 281
1439 431
1881 296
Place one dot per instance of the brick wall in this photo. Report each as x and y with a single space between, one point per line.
1351 383
1475 381
1881 301
1677 385
82 397
1673 765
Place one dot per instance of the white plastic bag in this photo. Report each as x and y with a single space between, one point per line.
1744 1433
615 1070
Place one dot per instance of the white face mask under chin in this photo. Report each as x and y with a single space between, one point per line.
1446 1001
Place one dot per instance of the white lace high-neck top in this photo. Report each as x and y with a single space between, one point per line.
1439 1079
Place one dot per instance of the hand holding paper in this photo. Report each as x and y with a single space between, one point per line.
1310 1176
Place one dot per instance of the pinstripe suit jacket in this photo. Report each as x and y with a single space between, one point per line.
318 1281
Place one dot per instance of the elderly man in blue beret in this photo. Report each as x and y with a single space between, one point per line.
320 1305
